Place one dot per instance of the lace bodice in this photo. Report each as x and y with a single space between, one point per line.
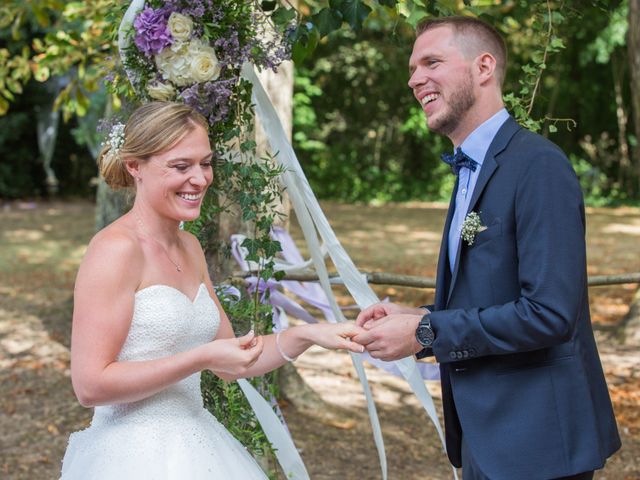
165 322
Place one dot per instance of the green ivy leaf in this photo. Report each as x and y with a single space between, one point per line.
327 21
354 13
307 39
247 145
271 248
252 245
266 274
282 16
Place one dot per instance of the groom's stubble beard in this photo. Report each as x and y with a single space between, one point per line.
460 102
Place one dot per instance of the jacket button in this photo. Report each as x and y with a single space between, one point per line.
452 355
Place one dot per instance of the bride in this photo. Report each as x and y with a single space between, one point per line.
146 319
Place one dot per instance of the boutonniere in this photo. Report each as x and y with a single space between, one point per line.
471 226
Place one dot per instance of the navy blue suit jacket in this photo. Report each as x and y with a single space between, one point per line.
521 374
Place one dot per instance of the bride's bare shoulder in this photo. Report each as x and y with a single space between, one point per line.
117 244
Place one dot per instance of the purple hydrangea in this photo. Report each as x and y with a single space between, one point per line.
152 32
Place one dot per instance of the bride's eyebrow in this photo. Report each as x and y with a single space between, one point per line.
209 156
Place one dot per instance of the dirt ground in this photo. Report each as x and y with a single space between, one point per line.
41 245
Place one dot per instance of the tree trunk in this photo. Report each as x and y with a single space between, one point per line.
625 170
110 204
632 321
633 46
279 86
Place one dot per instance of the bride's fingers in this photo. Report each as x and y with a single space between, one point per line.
248 340
352 346
256 350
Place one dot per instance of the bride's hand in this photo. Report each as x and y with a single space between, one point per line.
231 358
335 336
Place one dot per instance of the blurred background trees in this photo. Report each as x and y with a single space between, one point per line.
574 75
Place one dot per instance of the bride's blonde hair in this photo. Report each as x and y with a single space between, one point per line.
151 129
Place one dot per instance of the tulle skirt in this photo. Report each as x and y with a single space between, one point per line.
164 448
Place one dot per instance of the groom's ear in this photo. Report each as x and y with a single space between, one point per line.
485 67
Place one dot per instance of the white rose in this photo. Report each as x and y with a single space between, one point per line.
161 91
204 65
180 26
174 66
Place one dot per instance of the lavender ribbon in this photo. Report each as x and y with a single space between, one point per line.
309 292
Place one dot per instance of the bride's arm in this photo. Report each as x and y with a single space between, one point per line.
290 343
103 308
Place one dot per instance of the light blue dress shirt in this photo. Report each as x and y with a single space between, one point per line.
475 146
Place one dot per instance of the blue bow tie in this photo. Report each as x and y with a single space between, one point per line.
459 160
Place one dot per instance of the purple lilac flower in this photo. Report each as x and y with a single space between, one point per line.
193 8
233 54
211 99
152 32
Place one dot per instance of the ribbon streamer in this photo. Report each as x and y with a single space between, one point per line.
313 222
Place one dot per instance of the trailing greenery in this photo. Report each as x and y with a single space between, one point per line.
225 400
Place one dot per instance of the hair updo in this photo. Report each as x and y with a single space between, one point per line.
152 129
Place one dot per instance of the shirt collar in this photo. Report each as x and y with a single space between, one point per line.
478 141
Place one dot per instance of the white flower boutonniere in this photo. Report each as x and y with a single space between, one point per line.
471 226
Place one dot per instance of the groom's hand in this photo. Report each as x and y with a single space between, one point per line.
391 337
381 310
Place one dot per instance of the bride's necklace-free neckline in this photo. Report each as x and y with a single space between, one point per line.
144 229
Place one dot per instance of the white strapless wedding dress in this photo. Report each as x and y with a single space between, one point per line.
168 435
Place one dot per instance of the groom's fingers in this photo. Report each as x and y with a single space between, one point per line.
364 338
363 317
372 312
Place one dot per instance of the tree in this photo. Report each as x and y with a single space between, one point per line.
633 46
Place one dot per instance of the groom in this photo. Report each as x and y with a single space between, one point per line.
524 393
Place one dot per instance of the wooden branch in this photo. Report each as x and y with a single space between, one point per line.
383 278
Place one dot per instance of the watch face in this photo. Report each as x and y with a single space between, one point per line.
424 335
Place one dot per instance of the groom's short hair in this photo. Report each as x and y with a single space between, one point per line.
474 36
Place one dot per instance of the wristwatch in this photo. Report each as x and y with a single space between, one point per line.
424 333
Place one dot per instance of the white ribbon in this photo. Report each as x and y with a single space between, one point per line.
313 222
285 450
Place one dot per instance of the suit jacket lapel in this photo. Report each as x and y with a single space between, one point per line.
489 166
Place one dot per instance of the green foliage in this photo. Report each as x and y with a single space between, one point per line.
225 400
610 38
358 132
21 171
343 97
